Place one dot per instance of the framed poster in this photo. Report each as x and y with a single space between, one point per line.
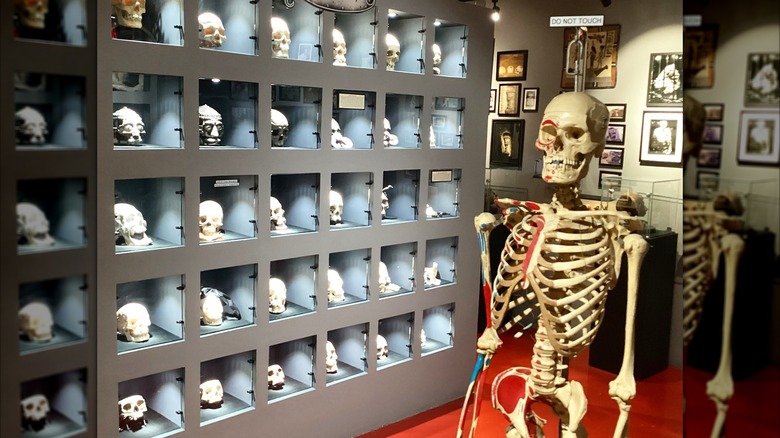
506 144
612 157
664 86
508 99
759 140
761 88
609 174
531 100
699 44
601 51
713 112
492 107
713 134
511 65
616 134
662 134
709 158
617 112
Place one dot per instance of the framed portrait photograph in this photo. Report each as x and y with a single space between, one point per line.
709 158
509 99
761 88
713 134
759 140
612 157
511 65
662 138
506 144
713 112
699 45
616 134
664 86
492 107
617 112
531 100
601 49
707 180
603 174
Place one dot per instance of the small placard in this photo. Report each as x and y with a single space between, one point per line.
691 20
226 183
441 175
577 20
352 101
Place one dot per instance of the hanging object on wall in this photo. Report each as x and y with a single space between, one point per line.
348 6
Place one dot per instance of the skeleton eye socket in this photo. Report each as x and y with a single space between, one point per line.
29 406
126 407
547 134
270 373
203 218
575 133
139 403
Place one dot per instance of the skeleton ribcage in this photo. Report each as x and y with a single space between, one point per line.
697 269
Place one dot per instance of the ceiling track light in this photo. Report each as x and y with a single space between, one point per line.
496 15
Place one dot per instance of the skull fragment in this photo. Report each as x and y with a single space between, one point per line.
436 59
130 226
382 349
211 32
35 410
337 139
280 127
339 48
393 51
275 377
129 13
277 296
331 359
131 413
431 275
133 322
32 227
211 394
210 222
389 138
32 13
210 126
336 207
335 287
280 38
278 221
128 127
36 322
211 309
31 127
385 282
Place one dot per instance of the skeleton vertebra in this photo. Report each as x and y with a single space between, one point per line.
32 13
275 377
129 13
280 38
35 411
335 287
337 139
36 322
131 413
277 296
32 227
128 127
336 207
393 51
133 322
211 394
331 358
210 222
31 127
339 48
279 128
210 126
130 226
278 221
211 31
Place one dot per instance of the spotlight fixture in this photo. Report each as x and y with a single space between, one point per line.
495 16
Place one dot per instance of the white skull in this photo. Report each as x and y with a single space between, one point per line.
133 321
385 201
128 127
31 126
278 221
431 275
32 13
275 377
211 310
210 222
336 207
211 393
32 227
430 212
35 408
36 322
423 338
436 58
385 282
393 51
331 358
573 130
277 296
382 349
210 126
280 38
431 138
335 287
279 128
389 139
339 48
129 224
337 140
132 408
210 30
129 13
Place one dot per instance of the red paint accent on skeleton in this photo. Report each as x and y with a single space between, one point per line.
539 222
510 390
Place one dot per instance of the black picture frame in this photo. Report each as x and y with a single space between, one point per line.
759 89
506 143
493 97
709 158
616 134
612 158
713 134
511 65
713 112
664 80
662 139
531 100
617 112
509 100
759 138
707 180
608 173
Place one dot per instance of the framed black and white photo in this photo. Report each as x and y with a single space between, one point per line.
530 100
709 158
617 112
713 112
511 65
506 144
612 157
509 99
713 134
664 87
707 180
761 88
616 134
609 174
601 51
699 49
492 107
759 140
661 143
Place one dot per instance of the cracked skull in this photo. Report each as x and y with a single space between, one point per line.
280 38
129 13
36 322
382 348
210 126
337 139
277 296
211 309
129 224
339 48
211 31
133 321
132 408
211 393
335 287
210 222
31 127
32 13
393 51
128 127
572 131
275 377
35 408
331 358
32 227
278 221
336 207
280 127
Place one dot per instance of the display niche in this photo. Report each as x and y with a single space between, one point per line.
54 406
228 294
292 288
449 49
291 368
402 190
227 387
52 313
443 194
345 357
296 31
50 111
227 26
353 39
402 121
298 196
227 208
149 312
227 114
50 214
152 405
151 21
352 126
394 341
437 334
405 42
440 257
148 214
396 270
348 277
350 197
447 123
147 111
295 117
56 21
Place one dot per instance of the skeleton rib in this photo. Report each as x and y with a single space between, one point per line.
560 266
562 283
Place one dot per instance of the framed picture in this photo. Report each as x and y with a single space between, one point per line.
608 174
761 87
699 45
601 50
531 99
438 121
664 86
713 112
617 112
511 65
506 144
492 107
447 103
713 134
707 180
709 158
759 139
616 134
662 134
508 99
612 157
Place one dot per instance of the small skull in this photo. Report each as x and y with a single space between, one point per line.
130 226
339 48
211 32
32 227
211 394
393 51
210 222
331 359
211 309
423 339
382 349
128 127
335 287
35 411
337 139
280 38
210 126
278 221
32 13
275 377
129 13
36 322
385 201
131 413
31 127
336 207
280 127
431 275
389 139
133 322
277 296
631 202
436 59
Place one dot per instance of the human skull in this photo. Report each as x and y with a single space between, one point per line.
131 410
280 127
385 201
336 207
385 282
430 212
393 51
335 287
210 126
275 377
36 322
572 131
128 127
431 275
32 227
211 394
31 126
133 321
129 224
423 338
631 202
337 140
211 32
210 222
331 359
382 349
280 38
32 13
277 296
278 221
35 410
339 48
389 139
436 58
211 309
129 13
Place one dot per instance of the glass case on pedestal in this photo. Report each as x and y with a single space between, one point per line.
443 194
450 49
56 21
295 117
402 188
405 42
228 26
235 287
347 358
402 121
396 269
758 199
148 214
296 31
354 39
292 287
147 111
227 208
350 197
657 204
227 114
50 215
348 277
447 123
150 312
153 21
394 341
353 121
152 405
227 386
437 328
291 368
440 257
54 406
52 313
298 195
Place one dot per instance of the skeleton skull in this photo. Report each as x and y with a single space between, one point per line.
31 126
278 221
129 224
280 38
128 127
279 128
385 201
382 349
572 131
210 30
337 140
35 410
336 207
129 13
211 309
210 126
277 296
393 51
431 275
385 283
36 322
133 321
436 59
32 227
275 377
390 139
335 287
211 394
131 413
211 221
339 48
32 13
331 359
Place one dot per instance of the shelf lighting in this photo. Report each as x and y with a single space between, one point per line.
496 15
437 23
392 14
215 80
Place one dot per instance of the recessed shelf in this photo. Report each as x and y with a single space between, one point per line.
148 214
149 313
295 291
447 123
397 332
227 386
359 33
227 208
233 21
403 195
443 194
298 195
452 41
440 258
296 359
151 21
57 21
227 114
352 126
295 117
399 261
402 121
406 52
50 214
296 31
60 308
235 287
349 360
437 328
348 277
55 405
162 396
147 111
